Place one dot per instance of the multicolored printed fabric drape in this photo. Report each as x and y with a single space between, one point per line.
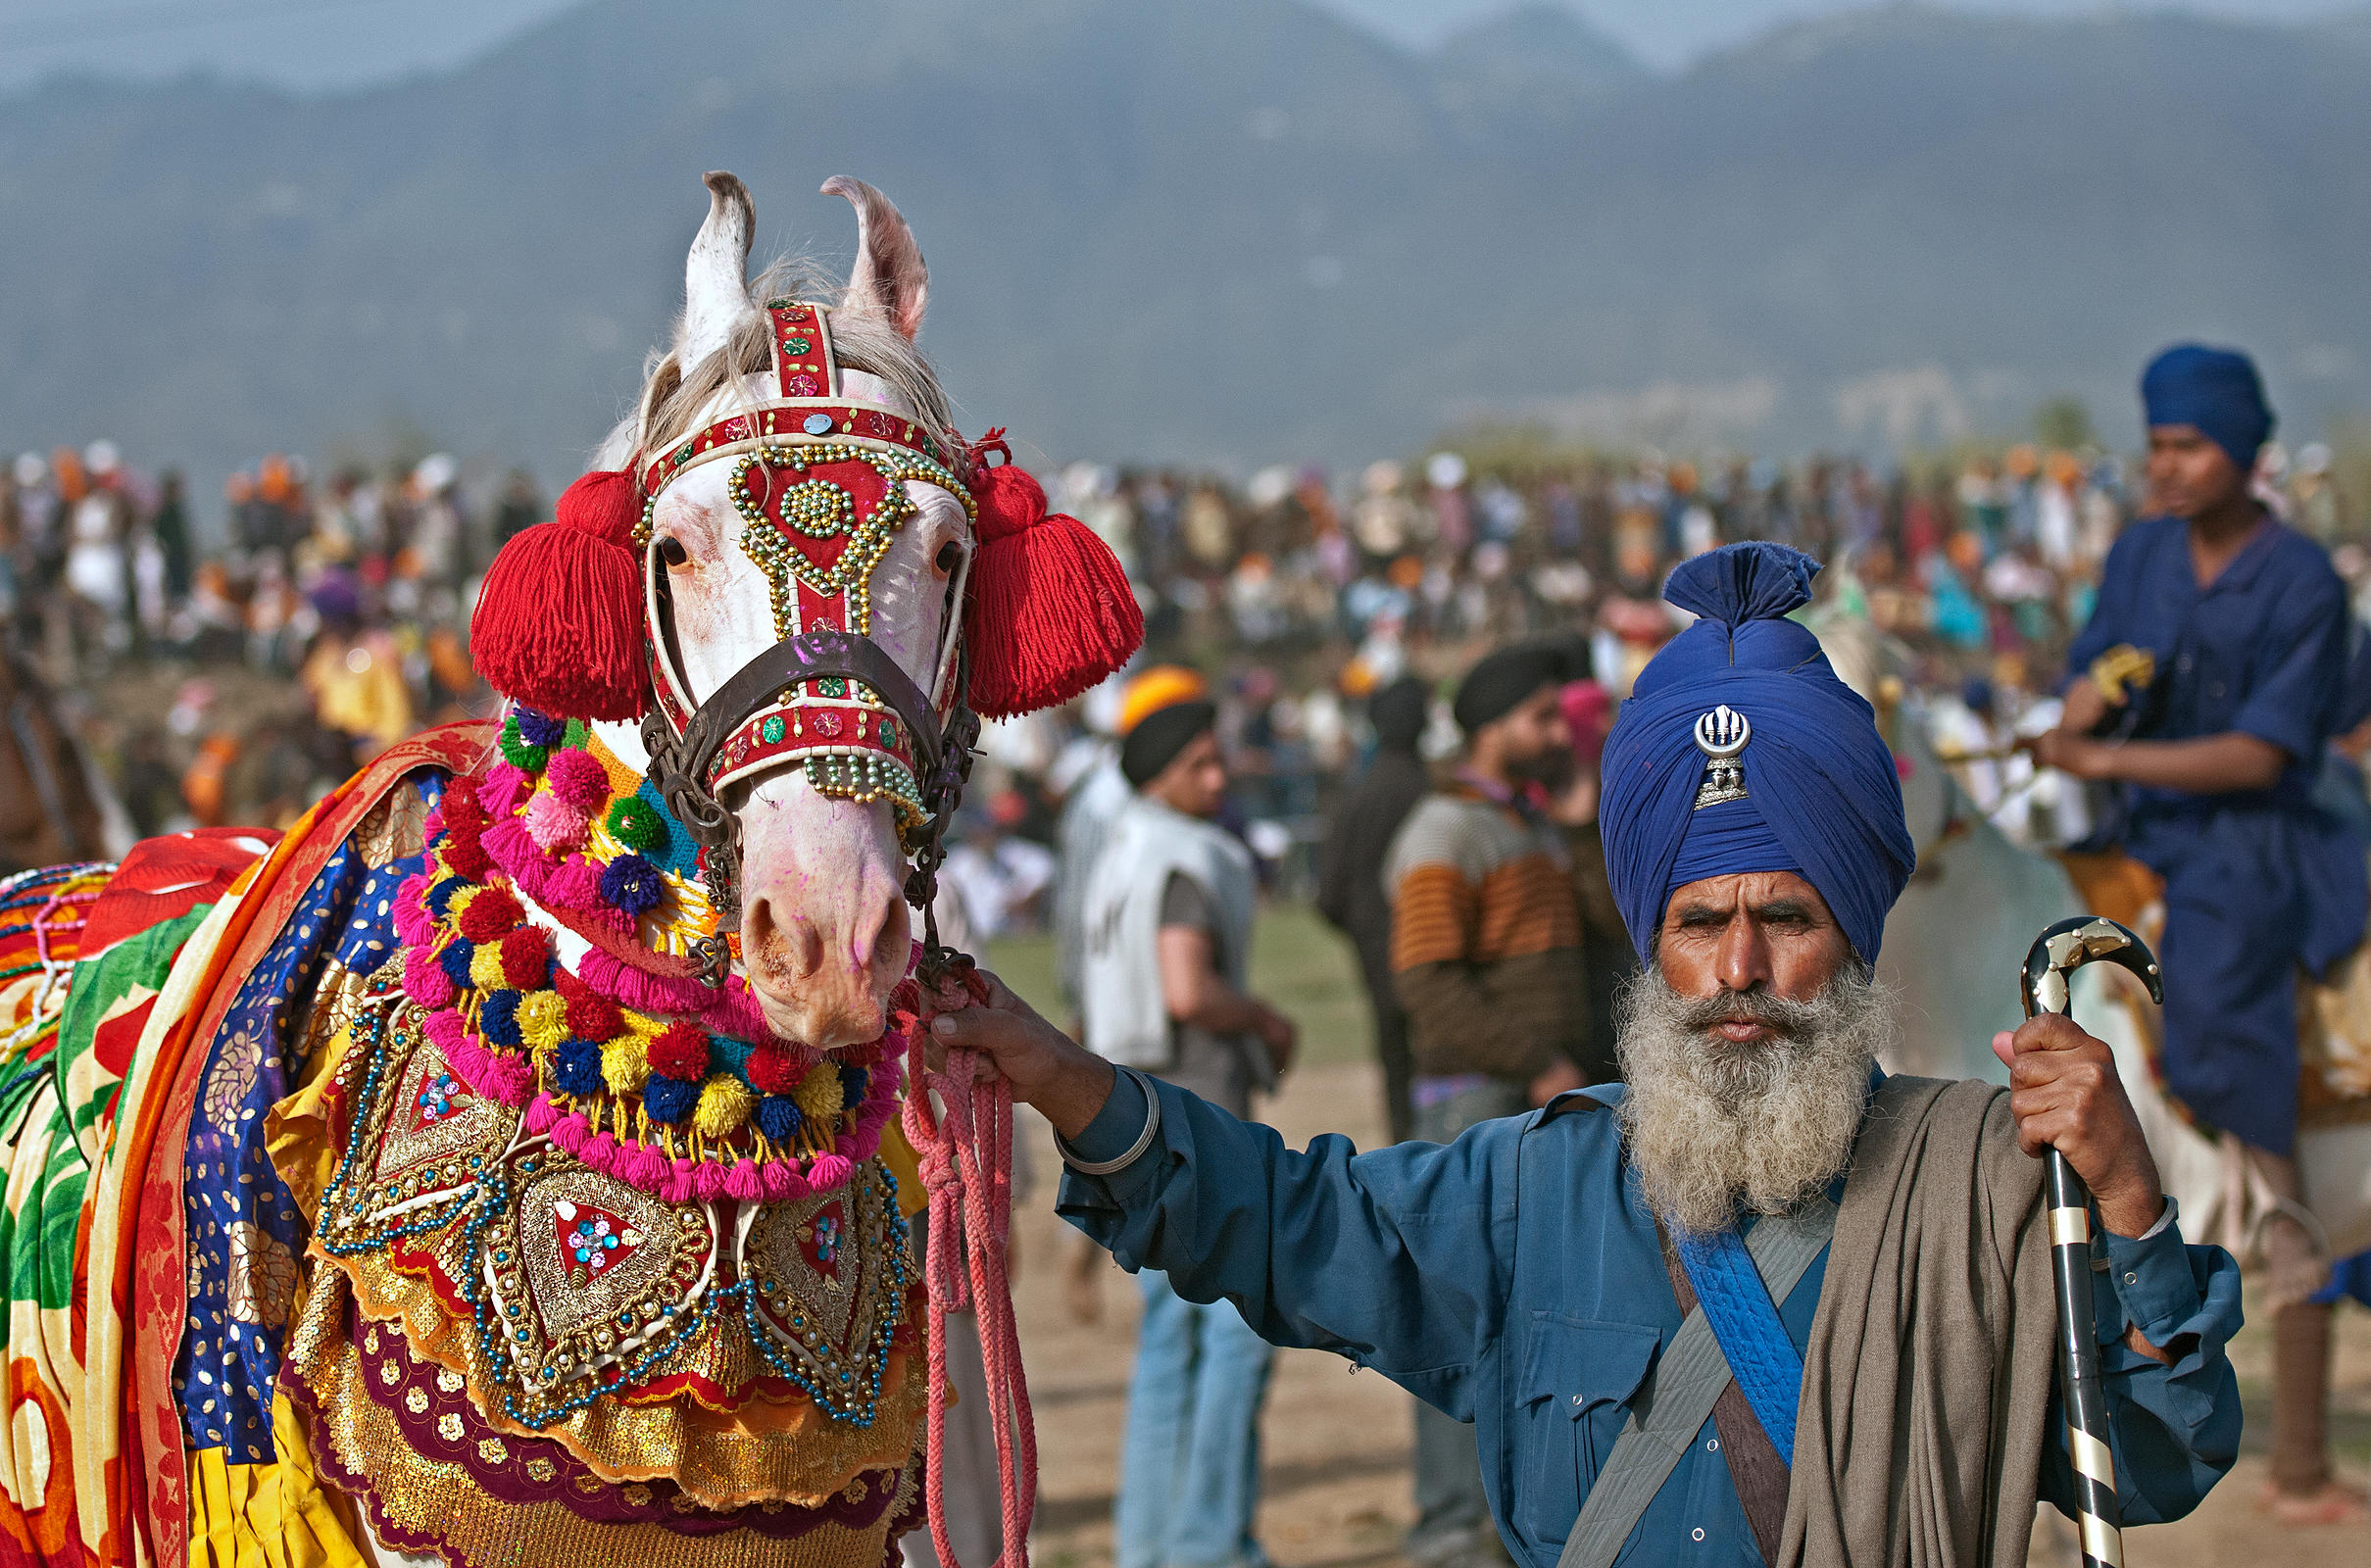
107 977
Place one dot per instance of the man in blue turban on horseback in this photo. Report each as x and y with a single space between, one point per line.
1764 1304
2204 689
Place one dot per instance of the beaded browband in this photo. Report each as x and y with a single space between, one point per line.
821 484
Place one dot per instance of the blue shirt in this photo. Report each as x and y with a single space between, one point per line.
1515 1279
2257 882
2262 650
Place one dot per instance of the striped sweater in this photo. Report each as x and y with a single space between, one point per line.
1485 939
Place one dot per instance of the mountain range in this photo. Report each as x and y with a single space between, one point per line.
1217 233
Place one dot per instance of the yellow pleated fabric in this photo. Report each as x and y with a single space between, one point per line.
268 1515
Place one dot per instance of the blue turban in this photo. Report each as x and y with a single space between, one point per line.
2215 389
1821 797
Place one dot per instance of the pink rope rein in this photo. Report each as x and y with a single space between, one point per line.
967 1166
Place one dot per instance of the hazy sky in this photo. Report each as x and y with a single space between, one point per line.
335 43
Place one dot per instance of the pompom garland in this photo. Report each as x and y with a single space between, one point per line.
709 1105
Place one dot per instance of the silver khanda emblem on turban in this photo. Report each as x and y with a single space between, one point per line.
1722 735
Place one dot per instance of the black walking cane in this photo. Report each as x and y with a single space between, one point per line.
2056 953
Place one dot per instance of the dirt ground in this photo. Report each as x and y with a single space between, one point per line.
1336 1444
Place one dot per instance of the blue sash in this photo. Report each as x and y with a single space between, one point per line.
1737 1304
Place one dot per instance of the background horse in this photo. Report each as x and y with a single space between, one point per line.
502 1168
53 804
1956 937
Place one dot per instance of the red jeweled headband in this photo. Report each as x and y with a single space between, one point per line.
820 484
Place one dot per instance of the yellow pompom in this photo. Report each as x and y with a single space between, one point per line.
624 1065
459 901
543 1021
818 1096
486 967
724 1105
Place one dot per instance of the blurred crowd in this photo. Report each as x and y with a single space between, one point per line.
233 673
308 620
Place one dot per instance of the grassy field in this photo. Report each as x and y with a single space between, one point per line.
1299 963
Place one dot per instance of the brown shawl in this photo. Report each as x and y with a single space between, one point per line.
1933 1354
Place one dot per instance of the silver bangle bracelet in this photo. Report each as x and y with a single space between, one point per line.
1143 1138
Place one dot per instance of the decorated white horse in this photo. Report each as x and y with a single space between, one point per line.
1960 929
507 1166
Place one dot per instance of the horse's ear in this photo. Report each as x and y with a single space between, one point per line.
716 275
890 280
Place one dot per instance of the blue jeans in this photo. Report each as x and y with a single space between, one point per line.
1189 1469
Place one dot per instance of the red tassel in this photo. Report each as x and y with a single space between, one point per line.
558 622
1052 613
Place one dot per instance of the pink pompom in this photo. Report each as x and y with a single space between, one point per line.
710 1180
446 1031
741 1183
571 1132
783 1182
600 1152
541 1114
578 779
574 886
414 926
681 1182
425 981
499 792
469 1061
554 824
829 1171
645 1168
507 841
863 1142
508 1077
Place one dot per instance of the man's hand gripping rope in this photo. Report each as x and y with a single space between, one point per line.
965 1150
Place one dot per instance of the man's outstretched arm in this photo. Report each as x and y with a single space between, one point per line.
1393 1258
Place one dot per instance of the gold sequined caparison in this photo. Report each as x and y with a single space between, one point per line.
747 1353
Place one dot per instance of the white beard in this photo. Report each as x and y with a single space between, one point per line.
1712 1126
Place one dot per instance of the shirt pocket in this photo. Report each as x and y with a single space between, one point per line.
1578 1380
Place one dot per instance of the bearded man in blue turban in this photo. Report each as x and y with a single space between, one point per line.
1765 1305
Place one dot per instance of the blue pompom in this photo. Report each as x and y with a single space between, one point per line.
853 1081
779 1119
577 1067
455 961
498 1018
440 895
537 729
632 884
668 1100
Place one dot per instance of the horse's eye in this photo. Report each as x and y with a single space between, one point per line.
671 552
950 557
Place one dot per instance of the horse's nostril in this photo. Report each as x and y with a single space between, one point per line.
794 951
893 938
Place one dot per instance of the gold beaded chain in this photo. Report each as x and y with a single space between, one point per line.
817 508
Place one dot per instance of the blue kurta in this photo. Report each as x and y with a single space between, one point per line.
1515 1279
2257 882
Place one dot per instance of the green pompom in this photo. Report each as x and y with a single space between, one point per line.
634 823
519 752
